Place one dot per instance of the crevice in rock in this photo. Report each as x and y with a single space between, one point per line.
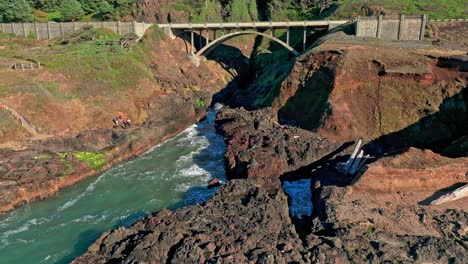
173 249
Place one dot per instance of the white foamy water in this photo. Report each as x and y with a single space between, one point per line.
171 174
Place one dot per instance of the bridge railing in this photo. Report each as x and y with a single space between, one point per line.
263 24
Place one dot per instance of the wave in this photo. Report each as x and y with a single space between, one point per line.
90 188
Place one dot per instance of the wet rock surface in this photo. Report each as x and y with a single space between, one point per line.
259 146
241 223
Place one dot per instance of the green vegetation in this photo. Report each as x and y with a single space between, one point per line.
200 102
95 160
63 10
71 10
227 10
435 9
370 229
3 90
67 163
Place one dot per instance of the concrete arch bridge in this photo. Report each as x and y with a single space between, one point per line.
232 30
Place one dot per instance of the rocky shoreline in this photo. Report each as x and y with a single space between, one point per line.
408 106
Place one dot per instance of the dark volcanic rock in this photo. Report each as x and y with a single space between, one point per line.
241 223
258 146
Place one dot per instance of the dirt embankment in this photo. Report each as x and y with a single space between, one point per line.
80 140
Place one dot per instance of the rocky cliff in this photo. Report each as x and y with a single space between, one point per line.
396 96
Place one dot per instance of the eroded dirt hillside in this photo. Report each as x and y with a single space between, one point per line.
400 93
156 86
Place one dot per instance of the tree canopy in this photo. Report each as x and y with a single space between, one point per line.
71 10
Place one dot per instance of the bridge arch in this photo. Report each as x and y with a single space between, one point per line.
208 48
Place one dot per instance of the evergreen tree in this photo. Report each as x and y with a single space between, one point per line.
90 6
15 11
71 10
105 9
48 5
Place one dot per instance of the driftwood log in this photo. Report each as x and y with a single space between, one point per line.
457 194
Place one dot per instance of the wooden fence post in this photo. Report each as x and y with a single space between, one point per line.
24 30
36 30
49 36
3 27
379 26
134 26
401 26
119 30
13 31
423 27
61 29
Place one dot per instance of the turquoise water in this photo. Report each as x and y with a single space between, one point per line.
170 175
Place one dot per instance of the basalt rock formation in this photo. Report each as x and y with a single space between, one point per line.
258 146
242 223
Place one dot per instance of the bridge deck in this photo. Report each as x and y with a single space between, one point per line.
265 25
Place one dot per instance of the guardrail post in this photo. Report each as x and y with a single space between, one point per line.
287 34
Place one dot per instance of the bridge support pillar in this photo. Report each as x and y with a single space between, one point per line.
168 31
194 59
192 42
304 39
200 37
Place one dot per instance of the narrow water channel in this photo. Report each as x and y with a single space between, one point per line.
170 175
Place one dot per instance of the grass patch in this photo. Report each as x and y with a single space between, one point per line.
370 229
3 90
95 160
67 163
200 102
